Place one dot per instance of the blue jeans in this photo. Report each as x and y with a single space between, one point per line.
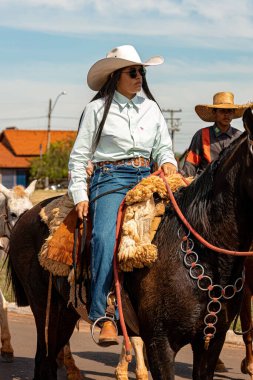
104 216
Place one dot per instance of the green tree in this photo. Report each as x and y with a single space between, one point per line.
54 163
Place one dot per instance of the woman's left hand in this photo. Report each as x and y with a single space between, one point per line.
169 168
89 168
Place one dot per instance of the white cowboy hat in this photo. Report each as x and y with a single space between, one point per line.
117 58
221 100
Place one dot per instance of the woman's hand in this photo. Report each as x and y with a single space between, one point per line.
82 209
89 168
169 168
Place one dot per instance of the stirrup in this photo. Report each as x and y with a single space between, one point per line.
104 318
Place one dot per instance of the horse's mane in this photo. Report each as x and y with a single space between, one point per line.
195 200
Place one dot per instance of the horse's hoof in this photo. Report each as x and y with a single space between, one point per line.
75 376
121 374
246 368
142 374
220 367
7 357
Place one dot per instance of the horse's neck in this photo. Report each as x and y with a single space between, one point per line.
215 207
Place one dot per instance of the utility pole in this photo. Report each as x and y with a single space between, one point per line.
50 110
49 124
174 122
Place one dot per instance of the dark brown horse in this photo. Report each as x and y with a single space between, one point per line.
190 295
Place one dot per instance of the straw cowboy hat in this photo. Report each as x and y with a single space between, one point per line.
221 100
117 58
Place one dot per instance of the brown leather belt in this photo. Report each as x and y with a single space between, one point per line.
135 162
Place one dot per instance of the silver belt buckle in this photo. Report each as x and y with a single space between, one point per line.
133 164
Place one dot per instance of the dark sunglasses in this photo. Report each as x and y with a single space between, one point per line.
134 72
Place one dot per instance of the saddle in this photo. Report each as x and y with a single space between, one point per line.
144 207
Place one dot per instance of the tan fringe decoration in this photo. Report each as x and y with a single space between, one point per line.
141 220
56 253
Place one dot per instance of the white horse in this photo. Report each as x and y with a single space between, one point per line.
13 203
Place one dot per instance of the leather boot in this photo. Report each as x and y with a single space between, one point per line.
108 335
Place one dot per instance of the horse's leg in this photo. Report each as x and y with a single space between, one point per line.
45 362
67 322
246 323
121 371
46 354
161 358
141 369
204 361
6 350
73 372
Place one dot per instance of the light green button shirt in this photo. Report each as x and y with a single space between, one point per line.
133 128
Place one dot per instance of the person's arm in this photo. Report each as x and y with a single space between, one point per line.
79 157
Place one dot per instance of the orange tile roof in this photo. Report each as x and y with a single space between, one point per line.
9 160
30 142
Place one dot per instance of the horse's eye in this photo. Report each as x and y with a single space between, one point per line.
13 215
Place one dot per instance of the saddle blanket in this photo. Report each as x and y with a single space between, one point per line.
142 216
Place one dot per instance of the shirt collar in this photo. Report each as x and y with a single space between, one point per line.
218 132
123 101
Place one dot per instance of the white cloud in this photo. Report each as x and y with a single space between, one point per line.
51 4
182 19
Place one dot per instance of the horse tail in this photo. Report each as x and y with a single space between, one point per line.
14 282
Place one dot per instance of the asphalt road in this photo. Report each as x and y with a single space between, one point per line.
96 363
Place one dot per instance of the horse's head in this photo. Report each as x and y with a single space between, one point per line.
248 125
17 201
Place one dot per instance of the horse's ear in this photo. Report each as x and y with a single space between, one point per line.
248 121
6 192
30 189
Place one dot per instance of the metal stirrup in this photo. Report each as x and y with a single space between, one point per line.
104 318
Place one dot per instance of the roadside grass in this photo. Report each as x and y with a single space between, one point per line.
36 197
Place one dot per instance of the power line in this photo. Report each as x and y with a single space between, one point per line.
37 118
23 118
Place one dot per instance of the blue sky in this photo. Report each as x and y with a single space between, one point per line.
47 46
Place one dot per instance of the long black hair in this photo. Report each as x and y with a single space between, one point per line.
107 92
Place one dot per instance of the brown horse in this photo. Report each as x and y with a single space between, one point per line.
191 294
